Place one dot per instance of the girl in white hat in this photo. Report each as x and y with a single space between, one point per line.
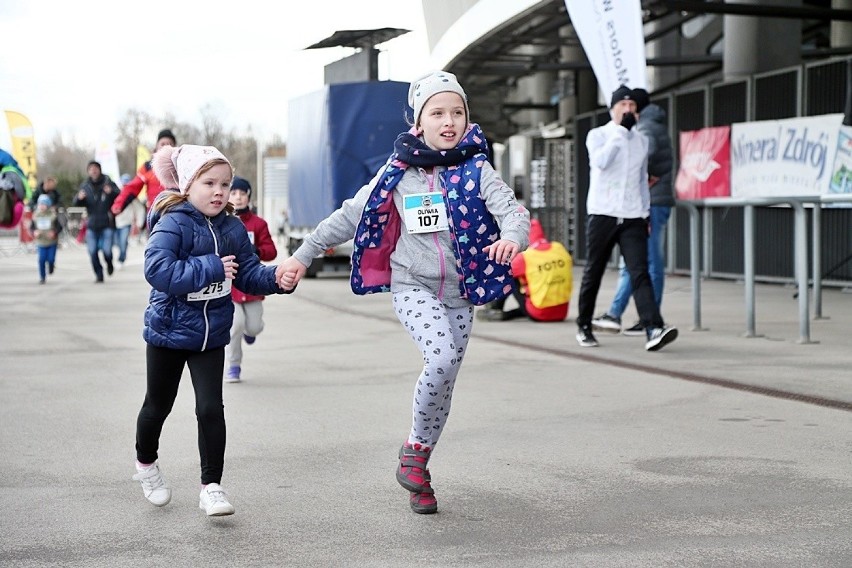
437 228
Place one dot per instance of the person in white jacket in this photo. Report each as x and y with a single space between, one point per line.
618 207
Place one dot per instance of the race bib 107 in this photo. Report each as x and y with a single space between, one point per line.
425 212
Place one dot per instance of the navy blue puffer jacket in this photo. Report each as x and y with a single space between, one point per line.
182 258
655 126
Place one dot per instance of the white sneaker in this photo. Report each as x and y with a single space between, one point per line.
214 501
153 484
585 337
660 337
607 323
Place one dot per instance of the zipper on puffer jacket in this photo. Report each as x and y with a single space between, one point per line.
207 302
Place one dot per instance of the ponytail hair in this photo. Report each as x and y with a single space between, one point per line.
168 200
164 166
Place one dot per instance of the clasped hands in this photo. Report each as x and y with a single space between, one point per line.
289 273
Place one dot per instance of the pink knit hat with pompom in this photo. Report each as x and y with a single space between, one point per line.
176 167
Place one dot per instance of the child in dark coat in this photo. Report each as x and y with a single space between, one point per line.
196 250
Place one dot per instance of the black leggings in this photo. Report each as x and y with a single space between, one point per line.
631 236
165 367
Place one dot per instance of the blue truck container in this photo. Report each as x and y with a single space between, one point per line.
337 140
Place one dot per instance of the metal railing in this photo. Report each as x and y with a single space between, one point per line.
800 246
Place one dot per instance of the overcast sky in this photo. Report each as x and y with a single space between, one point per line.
75 67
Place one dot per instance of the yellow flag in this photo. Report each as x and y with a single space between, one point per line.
23 145
142 155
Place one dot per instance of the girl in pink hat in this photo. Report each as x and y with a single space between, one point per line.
196 251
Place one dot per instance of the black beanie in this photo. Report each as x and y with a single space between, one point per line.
166 133
622 93
242 184
642 98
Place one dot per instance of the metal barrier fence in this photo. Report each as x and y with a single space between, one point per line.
806 90
749 242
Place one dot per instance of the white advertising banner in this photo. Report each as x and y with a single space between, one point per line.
611 34
783 158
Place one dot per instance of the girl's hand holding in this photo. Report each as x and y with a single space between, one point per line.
289 273
230 266
502 251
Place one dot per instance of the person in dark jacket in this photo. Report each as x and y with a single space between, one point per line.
97 194
196 251
48 188
653 123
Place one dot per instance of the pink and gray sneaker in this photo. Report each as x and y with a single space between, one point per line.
424 503
413 475
411 472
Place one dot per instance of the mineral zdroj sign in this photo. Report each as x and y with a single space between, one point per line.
784 158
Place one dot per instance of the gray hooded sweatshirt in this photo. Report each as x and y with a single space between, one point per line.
422 260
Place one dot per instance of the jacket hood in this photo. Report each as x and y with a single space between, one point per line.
536 232
653 113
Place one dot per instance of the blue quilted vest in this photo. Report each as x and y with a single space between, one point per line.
472 228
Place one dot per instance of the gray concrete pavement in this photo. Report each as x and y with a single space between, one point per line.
717 451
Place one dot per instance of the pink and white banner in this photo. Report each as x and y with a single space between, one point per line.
705 163
611 34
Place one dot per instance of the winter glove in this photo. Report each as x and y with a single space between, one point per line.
628 121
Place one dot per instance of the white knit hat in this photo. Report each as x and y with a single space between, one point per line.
177 166
422 89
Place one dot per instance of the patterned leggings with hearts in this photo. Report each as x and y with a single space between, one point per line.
442 334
